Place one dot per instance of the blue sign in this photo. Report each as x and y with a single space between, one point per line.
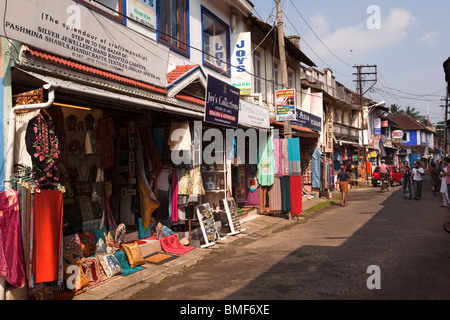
307 120
221 103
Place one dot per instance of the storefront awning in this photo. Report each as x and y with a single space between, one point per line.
298 131
349 143
115 99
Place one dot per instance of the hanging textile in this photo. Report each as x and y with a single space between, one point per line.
266 164
295 183
285 157
181 138
158 140
148 201
47 223
285 195
12 263
278 157
174 199
294 156
264 199
21 155
43 145
105 133
275 196
316 165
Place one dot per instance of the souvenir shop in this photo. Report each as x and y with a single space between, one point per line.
91 178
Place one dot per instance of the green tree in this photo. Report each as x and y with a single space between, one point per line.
395 110
413 113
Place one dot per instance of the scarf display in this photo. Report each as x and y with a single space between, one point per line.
275 196
315 168
294 156
285 157
47 244
266 164
12 263
296 195
278 157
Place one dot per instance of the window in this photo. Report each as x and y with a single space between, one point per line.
112 8
216 41
257 67
172 24
291 79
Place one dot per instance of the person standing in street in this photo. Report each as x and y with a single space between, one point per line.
435 178
444 189
417 173
407 183
342 180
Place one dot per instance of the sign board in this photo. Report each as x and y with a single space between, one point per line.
221 103
397 134
253 115
377 126
241 61
307 120
285 105
71 30
329 133
384 123
142 11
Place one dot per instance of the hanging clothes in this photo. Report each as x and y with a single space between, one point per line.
12 263
147 198
278 157
295 184
285 157
285 195
294 156
316 168
105 134
47 224
266 164
275 196
43 145
181 136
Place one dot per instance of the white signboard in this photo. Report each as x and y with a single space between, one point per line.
71 30
241 70
253 115
143 11
397 134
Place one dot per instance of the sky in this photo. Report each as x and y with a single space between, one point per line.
407 40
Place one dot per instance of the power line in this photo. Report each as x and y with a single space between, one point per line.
318 36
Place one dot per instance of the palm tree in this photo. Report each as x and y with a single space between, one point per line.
395 110
413 113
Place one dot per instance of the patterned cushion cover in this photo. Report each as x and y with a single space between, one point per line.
134 254
111 265
87 243
72 248
77 281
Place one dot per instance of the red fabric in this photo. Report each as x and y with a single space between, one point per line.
12 262
48 210
295 185
170 244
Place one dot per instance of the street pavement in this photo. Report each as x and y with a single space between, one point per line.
378 247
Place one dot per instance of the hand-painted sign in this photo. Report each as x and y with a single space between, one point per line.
285 105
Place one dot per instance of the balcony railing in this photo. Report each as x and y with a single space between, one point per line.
343 130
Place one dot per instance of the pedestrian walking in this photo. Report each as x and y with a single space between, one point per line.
407 183
417 173
446 164
342 179
435 178
444 190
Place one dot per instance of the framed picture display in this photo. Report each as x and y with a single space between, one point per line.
232 215
208 225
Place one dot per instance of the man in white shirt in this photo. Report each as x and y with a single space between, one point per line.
417 173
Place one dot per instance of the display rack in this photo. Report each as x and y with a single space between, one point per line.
208 225
232 215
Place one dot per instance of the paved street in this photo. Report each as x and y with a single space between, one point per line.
327 257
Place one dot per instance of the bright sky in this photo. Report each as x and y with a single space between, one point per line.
407 40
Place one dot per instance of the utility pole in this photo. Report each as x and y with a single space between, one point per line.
360 80
283 65
283 68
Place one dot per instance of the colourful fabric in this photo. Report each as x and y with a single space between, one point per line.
266 164
123 261
87 240
148 201
72 248
143 233
285 195
170 244
99 234
285 157
93 270
174 195
134 254
278 157
43 146
110 265
275 196
294 156
316 168
48 210
12 263
296 195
